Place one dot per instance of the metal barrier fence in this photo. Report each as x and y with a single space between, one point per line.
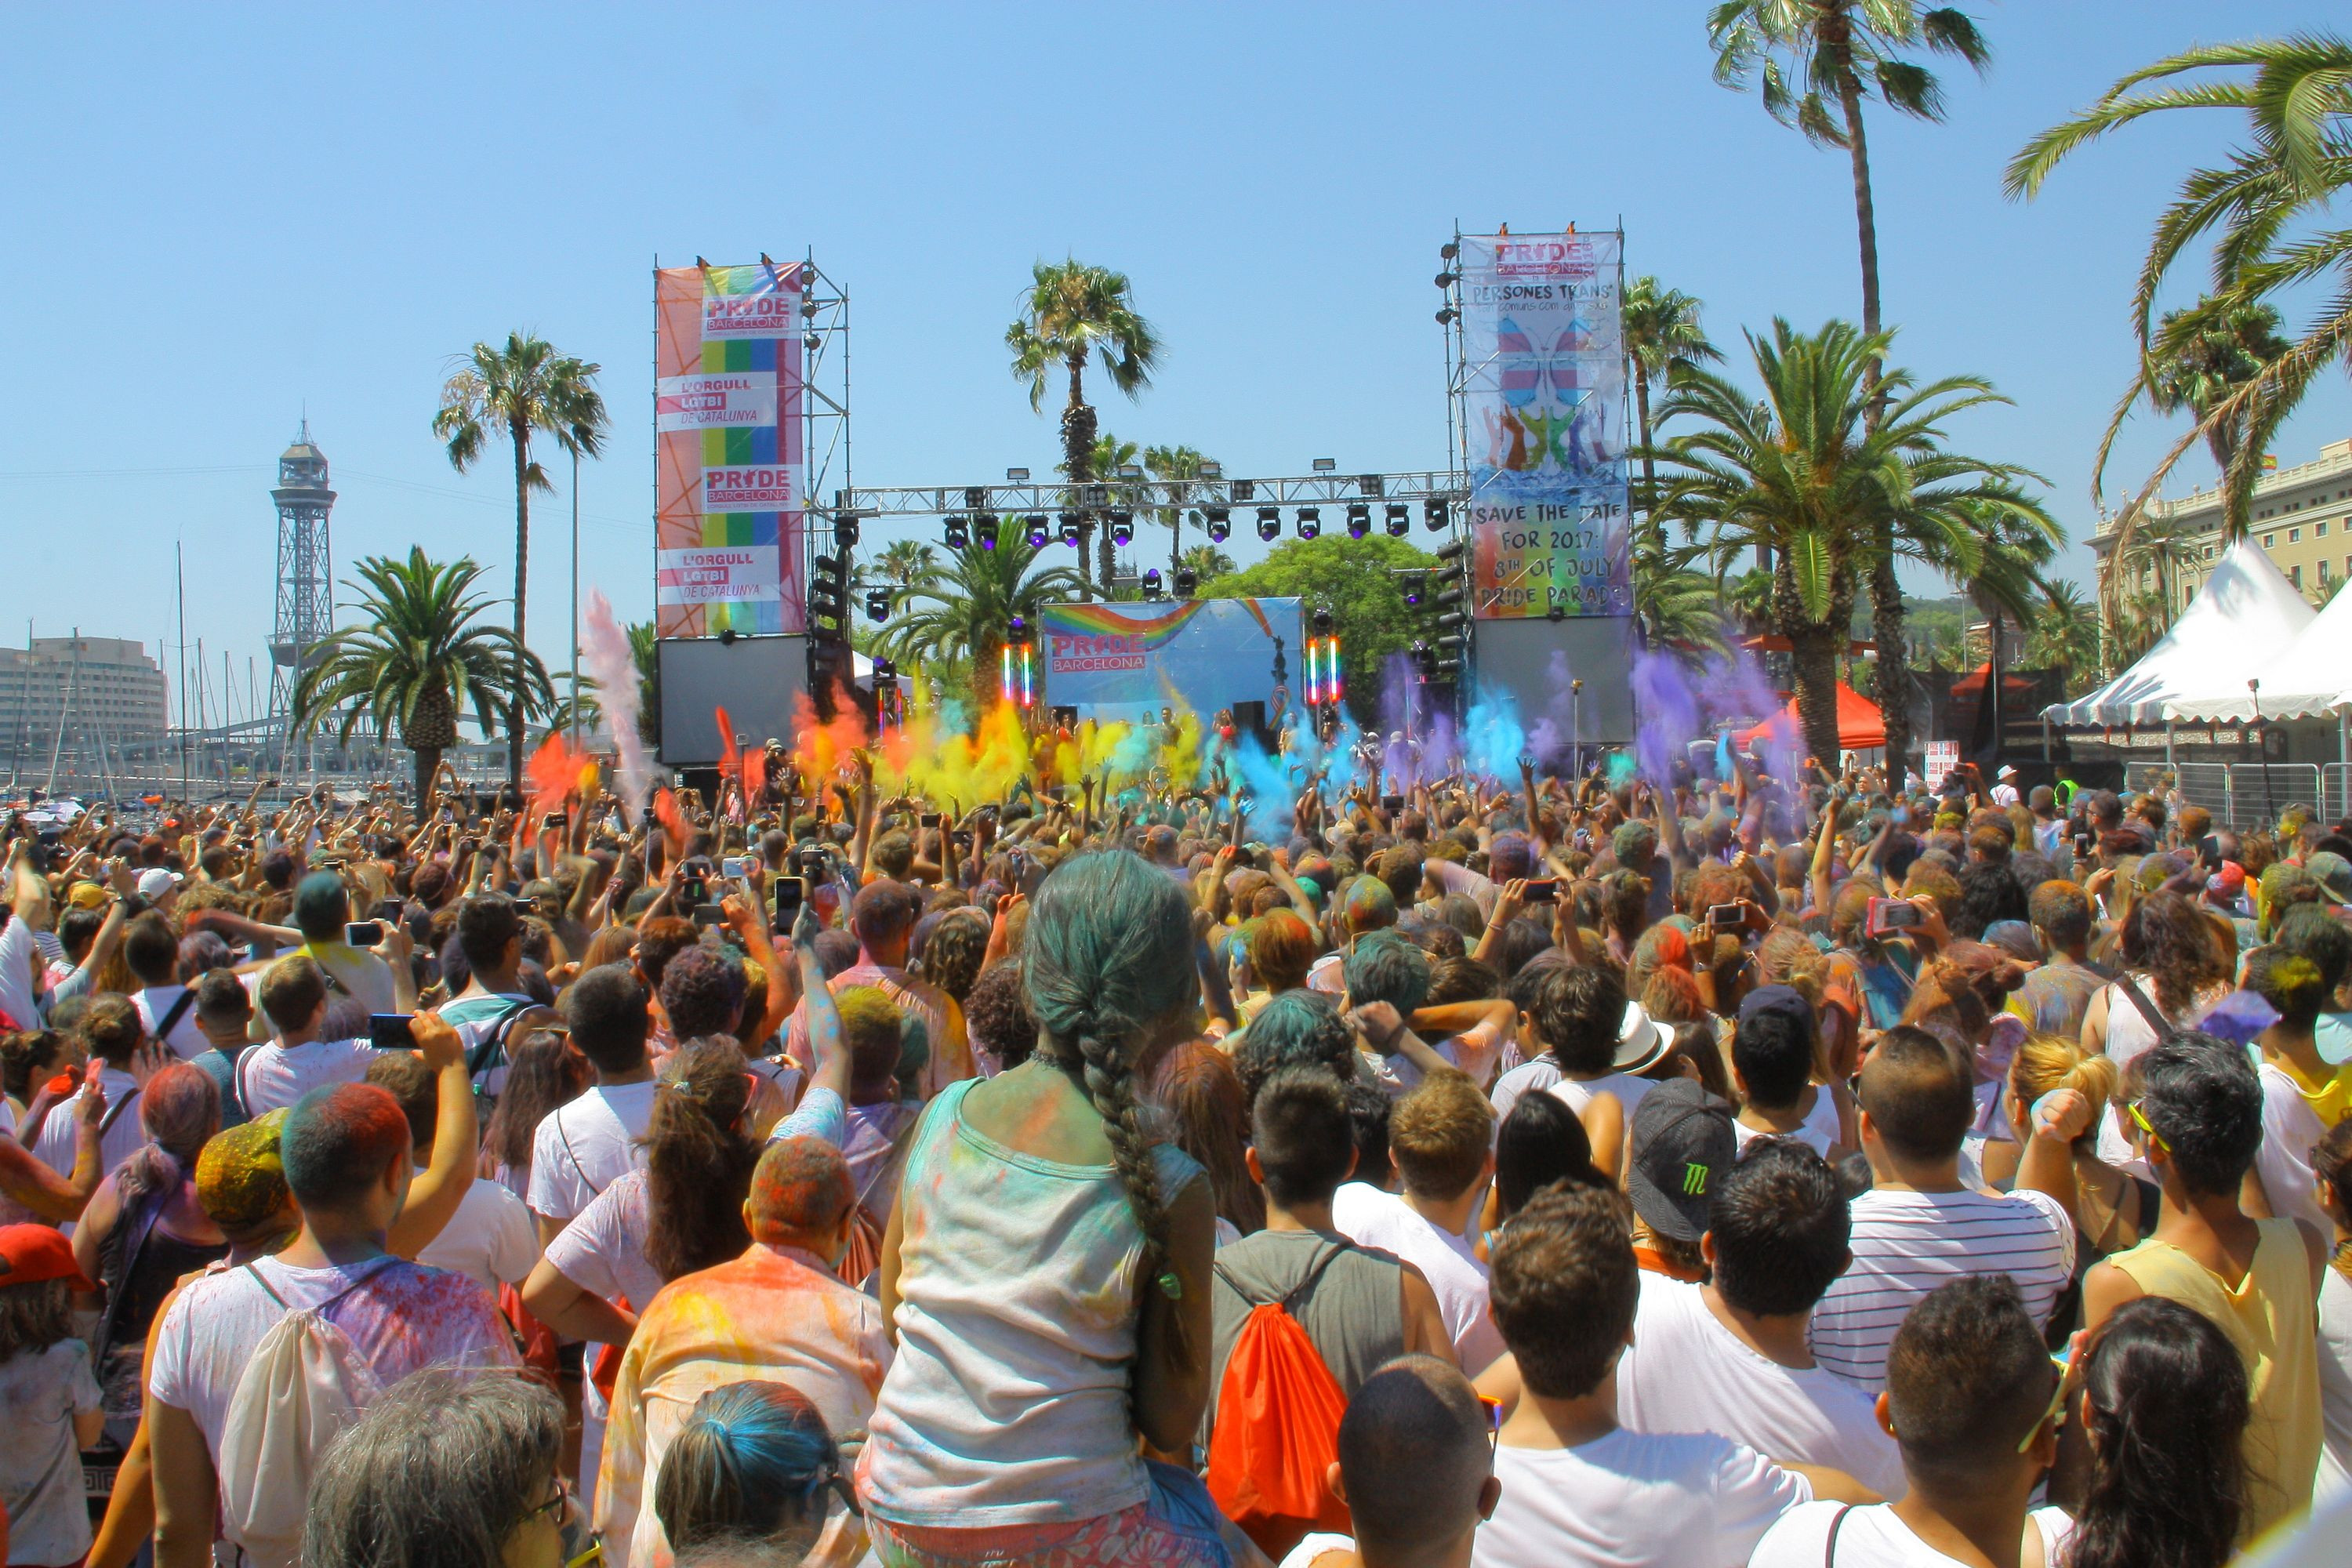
2251 795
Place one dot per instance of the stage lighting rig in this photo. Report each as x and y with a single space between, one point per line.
1269 523
1437 514
1039 534
1187 580
1073 531
1152 587
845 529
959 534
1448 316
1310 521
1122 528
878 605
984 532
1220 525
1413 584
1360 519
1399 519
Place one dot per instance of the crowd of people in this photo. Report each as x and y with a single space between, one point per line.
1510 1172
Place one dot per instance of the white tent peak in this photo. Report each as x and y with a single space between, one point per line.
2244 615
2305 679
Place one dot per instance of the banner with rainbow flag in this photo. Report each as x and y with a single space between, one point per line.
728 450
1129 660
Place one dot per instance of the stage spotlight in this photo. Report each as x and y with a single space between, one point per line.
1448 279
1448 316
845 530
878 605
1122 528
1448 252
1038 533
1269 522
1310 521
1073 531
983 529
1414 585
1399 519
1360 519
1151 582
1186 581
1219 525
1438 513
959 535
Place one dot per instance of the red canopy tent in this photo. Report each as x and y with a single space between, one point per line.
1860 726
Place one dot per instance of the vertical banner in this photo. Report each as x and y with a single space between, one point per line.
727 451
1544 395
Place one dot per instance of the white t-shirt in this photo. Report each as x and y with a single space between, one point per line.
2290 1127
19 954
155 1005
1527 1078
1685 1372
273 1075
490 1239
1905 1244
603 1251
1632 1499
1818 1132
1578 1092
585 1145
123 1138
1315 1548
1371 1217
1875 1538
399 1317
2335 1384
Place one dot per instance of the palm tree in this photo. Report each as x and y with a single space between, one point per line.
1678 607
1206 561
960 610
517 391
1805 473
1661 331
1071 311
2063 633
1181 466
2217 346
906 561
1818 61
2268 210
2158 548
417 659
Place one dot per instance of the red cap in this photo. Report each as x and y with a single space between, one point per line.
32 1253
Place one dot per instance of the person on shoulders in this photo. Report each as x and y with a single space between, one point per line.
2201 1118
1442 1141
1918 1225
1974 1402
1731 1355
1416 1470
1576 1485
294 999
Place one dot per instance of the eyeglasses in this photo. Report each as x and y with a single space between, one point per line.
2057 1412
553 1507
1494 1423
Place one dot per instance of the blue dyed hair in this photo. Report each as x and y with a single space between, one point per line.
1386 968
322 907
751 1462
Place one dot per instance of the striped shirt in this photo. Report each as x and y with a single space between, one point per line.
1905 1244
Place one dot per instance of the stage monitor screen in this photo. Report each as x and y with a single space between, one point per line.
1129 660
755 678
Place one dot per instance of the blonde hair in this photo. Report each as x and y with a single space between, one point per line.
2047 1062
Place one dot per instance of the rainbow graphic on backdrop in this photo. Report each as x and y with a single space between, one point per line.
1128 661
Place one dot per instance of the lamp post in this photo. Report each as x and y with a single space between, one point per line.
2262 750
1576 724
575 725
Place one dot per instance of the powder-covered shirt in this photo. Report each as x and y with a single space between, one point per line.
41 1392
1008 1401
776 1315
943 1024
399 1317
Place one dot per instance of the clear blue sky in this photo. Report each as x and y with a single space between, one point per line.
218 216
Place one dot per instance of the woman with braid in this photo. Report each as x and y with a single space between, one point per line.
1047 1270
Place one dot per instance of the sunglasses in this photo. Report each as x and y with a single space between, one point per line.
2155 1139
2057 1412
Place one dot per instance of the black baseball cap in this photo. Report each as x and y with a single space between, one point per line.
1682 1142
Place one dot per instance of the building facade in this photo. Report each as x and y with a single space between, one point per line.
2302 518
117 694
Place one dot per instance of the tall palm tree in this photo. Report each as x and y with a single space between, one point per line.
1818 61
1805 472
906 561
1073 311
2007 585
417 659
2217 346
2160 546
2273 214
961 608
1678 607
1207 561
1661 331
1178 466
517 391
2063 633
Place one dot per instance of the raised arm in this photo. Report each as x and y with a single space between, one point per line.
435 1192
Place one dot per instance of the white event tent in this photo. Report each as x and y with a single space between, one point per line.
2309 679
2244 618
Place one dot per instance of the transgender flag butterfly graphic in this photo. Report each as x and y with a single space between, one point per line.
1525 367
